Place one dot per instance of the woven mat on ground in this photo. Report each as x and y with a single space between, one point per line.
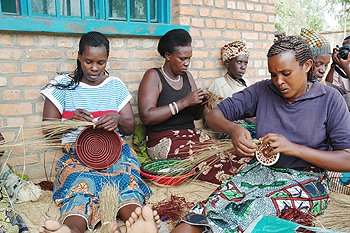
336 217
34 214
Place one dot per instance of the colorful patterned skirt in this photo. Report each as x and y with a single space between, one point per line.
185 142
260 190
77 186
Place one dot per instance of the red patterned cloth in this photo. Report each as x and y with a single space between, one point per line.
185 142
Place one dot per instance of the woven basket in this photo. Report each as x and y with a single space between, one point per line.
98 148
164 172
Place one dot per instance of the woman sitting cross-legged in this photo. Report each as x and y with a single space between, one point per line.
305 121
90 95
169 102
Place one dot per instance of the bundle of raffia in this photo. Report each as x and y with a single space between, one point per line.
212 100
30 135
337 214
209 152
109 200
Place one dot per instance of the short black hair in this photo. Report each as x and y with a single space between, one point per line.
173 39
346 38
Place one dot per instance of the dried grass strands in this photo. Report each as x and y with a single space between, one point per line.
31 136
337 214
212 100
210 152
53 127
109 200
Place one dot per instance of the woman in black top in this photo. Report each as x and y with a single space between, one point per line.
169 102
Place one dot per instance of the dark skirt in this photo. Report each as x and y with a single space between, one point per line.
185 142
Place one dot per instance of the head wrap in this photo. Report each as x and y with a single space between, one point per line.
318 44
234 49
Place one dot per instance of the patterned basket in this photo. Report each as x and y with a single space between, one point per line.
164 172
98 148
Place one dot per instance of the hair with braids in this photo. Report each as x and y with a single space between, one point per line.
173 39
298 46
92 39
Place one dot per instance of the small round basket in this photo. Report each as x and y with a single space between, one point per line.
260 154
98 148
163 172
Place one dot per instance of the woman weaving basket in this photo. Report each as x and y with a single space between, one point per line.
169 102
305 121
90 95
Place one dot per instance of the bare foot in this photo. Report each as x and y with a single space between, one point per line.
142 221
114 227
156 219
54 226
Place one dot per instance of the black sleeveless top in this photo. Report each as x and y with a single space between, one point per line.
184 119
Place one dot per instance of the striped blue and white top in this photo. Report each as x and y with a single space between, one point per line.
110 96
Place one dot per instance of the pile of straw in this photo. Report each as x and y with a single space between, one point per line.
109 200
337 214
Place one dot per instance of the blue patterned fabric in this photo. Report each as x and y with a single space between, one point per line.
76 186
260 190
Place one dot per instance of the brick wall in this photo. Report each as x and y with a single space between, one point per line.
29 60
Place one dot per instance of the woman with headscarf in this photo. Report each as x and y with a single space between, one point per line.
169 102
235 56
321 51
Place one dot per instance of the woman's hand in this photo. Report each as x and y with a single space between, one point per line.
278 144
242 141
109 122
82 115
195 97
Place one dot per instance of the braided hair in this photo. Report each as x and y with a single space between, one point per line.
92 39
173 39
298 46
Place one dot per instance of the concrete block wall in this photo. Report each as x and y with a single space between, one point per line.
29 60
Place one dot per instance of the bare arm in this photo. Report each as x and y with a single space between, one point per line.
124 120
51 112
329 160
148 95
241 138
202 109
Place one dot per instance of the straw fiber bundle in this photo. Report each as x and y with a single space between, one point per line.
30 136
212 100
337 214
210 152
109 200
